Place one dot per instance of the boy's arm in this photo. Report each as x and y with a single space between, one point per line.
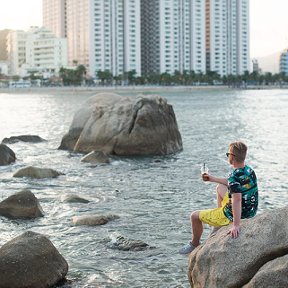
223 181
237 210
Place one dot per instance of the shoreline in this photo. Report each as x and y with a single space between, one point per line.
98 89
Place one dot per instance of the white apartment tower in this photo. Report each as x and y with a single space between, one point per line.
102 34
115 36
173 36
227 36
54 16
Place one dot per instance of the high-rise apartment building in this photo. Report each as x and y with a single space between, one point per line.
78 32
115 38
3 45
102 35
153 36
173 36
16 48
227 36
284 62
54 16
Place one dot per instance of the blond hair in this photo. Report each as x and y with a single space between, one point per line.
239 150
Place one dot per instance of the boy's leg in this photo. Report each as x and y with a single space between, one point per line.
221 192
197 228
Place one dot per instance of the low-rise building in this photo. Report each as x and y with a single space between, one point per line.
45 53
36 51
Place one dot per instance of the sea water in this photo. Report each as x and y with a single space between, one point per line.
153 196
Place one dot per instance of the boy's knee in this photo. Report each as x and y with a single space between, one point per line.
194 215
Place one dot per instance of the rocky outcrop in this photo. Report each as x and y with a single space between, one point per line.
7 156
93 220
23 138
121 243
273 274
31 260
258 254
38 173
96 157
113 124
21 205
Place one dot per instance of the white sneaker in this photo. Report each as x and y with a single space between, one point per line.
187 248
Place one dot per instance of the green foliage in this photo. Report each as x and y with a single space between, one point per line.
73 77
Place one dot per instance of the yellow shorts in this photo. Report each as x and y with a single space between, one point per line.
215 217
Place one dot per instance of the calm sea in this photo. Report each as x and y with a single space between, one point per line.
153 196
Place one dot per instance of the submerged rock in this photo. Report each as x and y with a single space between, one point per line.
121 243
31 260
113 124
21 205
7 156
96 157
38 173
23 138
259 253
72 198
93 220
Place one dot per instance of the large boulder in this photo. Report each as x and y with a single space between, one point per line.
31 260
23 138
21 205
107 122
38 173
7 156
258 254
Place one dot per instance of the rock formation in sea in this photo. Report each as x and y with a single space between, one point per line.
93 220
96 157
31 260
114 124
257 258
21 205
36 172
7 155
119 242
23 138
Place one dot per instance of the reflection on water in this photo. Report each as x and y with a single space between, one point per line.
153 196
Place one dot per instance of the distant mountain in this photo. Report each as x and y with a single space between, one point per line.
269 63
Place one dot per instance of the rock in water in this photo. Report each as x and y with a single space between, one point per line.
113 124
21 205
7 156
31 260
119 242
23 138
72 198
38 173
93 220
96 157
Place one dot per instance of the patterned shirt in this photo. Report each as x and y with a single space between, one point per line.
244 181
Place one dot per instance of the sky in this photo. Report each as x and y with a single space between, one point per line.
268 22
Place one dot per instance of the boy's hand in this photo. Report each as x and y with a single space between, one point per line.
205 177
234 231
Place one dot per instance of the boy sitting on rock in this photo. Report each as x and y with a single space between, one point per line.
237 198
